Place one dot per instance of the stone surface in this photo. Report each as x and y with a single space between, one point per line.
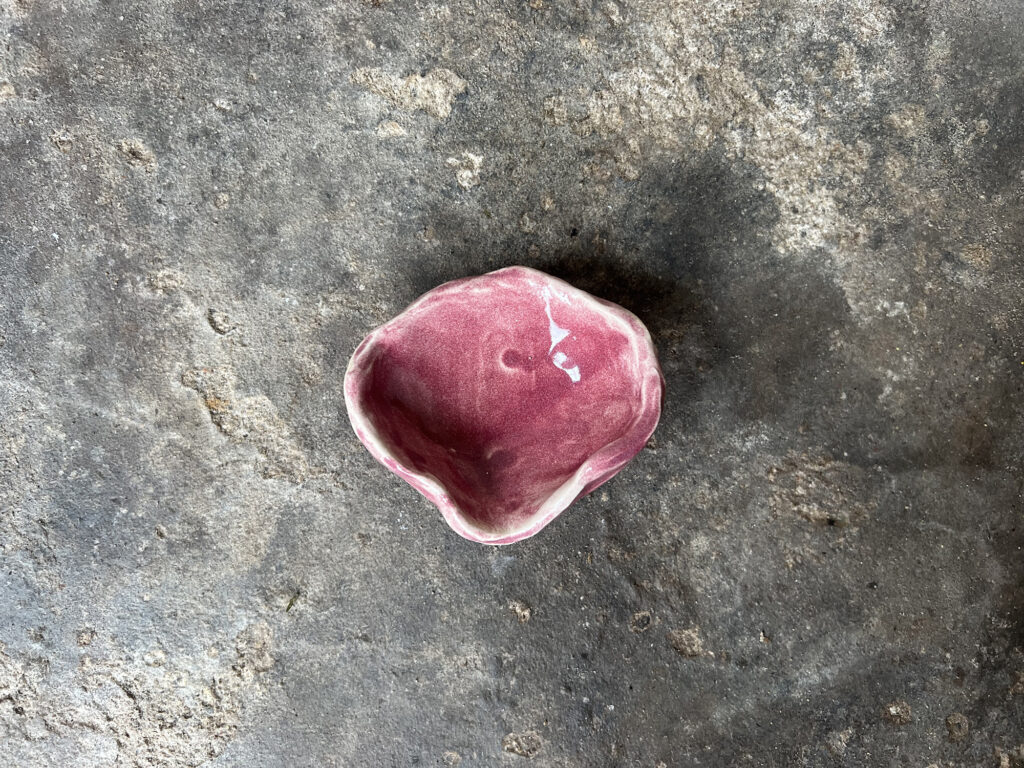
816 207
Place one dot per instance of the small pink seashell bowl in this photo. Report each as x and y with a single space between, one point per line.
504 398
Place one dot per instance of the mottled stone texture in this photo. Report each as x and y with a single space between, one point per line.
815 206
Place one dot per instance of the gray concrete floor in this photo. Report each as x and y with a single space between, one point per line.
816 206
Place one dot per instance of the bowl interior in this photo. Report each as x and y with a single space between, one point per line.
501 394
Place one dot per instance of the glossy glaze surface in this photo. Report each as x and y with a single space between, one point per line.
505 397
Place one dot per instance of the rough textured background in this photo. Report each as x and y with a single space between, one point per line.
816 206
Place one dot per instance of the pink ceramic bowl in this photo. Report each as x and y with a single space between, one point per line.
504 398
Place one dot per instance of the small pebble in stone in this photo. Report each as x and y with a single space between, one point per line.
898 712
220 321
957 726
522 610
641 621
526 744
686 642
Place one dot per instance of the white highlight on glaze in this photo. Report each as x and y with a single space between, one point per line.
559 360
558 334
